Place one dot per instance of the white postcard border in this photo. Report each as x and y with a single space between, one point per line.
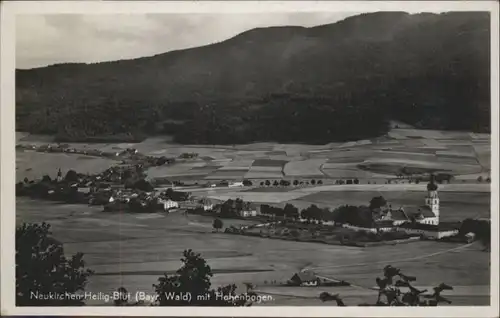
7 168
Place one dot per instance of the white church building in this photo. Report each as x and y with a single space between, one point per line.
427 213
422 219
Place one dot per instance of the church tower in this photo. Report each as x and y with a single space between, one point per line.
59 175
432 198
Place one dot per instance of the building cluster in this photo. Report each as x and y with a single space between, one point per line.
129 155
423 220
119 188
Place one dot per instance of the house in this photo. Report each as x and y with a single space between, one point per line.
430 231
223 183
249 210
206 204
168 204
304 279
397 216
422 214
470 237
84 189
384 226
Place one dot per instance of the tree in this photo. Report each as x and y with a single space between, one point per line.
268 183
377 202
313 182
290 211
239 205
276 183
480 179
71 176
42 268
320 181
295 182
143 185
327 215
481 228
46 178
313 212
389 289
218 224
247 183
262 183
353 215
249 287
193 279
356 181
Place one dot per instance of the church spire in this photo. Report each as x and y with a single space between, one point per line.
59 175
432 186
432 199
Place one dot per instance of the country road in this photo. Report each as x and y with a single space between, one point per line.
391 261
453 187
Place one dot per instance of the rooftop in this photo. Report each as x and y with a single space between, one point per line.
428 227
305 276
424 210
398 215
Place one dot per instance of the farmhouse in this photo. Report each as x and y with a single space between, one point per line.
206 204
378 226
250 210
304 279
168 204
430 231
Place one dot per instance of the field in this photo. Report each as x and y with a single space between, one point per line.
134 250
35 164
458 153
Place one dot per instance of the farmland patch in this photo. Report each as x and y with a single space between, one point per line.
268 163
346 174
263 175
227 174
309 167
266 169
34 165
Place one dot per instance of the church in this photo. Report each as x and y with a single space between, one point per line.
422 219
428 213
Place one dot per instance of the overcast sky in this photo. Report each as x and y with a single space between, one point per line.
49 39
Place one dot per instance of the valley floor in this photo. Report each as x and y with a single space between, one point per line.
132 250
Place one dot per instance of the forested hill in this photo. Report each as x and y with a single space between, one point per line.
333 82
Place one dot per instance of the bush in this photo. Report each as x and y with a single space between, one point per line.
193 278
41 267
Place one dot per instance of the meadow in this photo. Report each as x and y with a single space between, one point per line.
464 155
133 250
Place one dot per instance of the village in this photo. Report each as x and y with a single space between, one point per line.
126 188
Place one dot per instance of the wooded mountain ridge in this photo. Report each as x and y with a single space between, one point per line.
334 82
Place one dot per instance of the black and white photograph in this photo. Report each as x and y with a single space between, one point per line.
218 156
